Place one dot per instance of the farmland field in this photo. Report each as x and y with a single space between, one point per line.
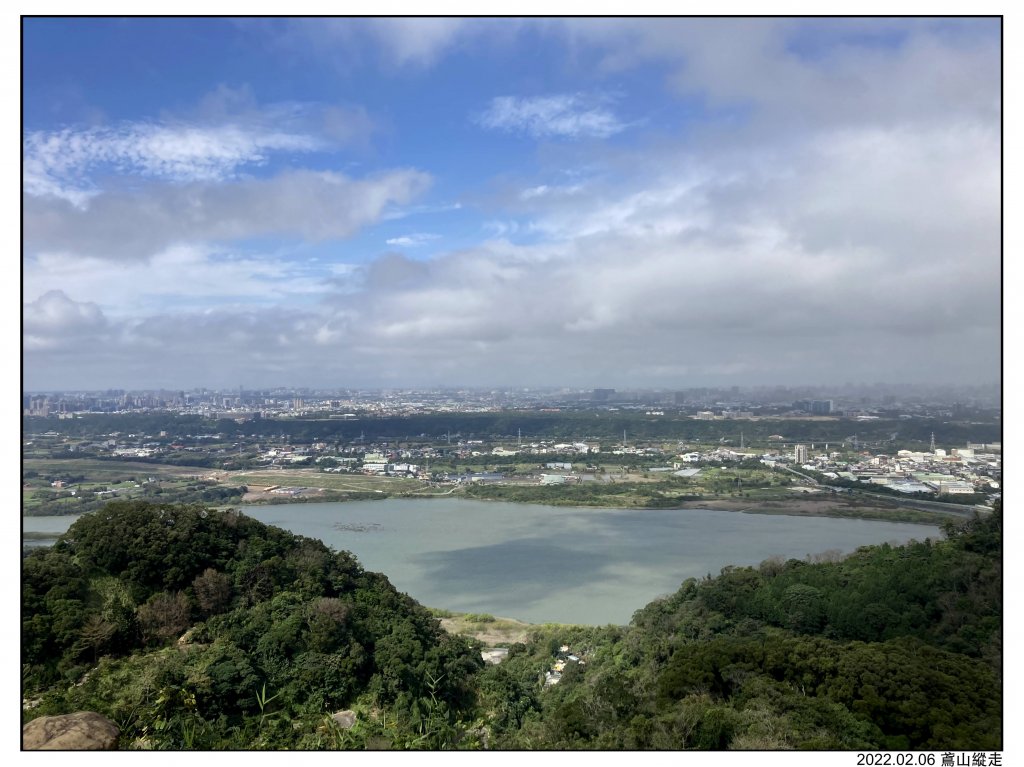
100 471
353 483
88 483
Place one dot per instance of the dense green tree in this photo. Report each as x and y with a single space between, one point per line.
307 624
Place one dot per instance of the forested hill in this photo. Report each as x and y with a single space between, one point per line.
281 631
199 629
890 648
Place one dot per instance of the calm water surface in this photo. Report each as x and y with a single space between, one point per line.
544 563
46 525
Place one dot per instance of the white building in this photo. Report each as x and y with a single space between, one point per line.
557 479
955 488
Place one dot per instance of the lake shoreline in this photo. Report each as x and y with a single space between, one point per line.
547 564
825 507
791 507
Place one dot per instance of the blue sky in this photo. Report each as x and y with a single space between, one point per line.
411 202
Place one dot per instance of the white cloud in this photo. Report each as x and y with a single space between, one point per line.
226 134
57 163
412 240
549 191
180 277
562 115
54 320
848 220
865 249
865 71
419 41
138 224
395 43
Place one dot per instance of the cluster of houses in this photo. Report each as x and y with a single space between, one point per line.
552 675
960 471
378 463
976 468
546 447
564 656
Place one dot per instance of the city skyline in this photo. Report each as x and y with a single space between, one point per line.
733 402
518 202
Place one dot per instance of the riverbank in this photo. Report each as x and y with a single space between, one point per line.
793 506
790 506
836 508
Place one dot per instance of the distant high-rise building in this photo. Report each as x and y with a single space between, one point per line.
602 395
800 453
814 406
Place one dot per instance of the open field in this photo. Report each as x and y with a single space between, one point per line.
351 483
644 490
100 471
745 490
32 504
490 631
789 501
91 483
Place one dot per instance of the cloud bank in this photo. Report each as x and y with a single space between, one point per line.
821 212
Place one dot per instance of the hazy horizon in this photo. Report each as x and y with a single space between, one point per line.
919 387
414 203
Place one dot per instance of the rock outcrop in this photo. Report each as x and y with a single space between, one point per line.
81 731
344 719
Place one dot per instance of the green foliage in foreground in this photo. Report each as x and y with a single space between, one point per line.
281 631
195 629
890 648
